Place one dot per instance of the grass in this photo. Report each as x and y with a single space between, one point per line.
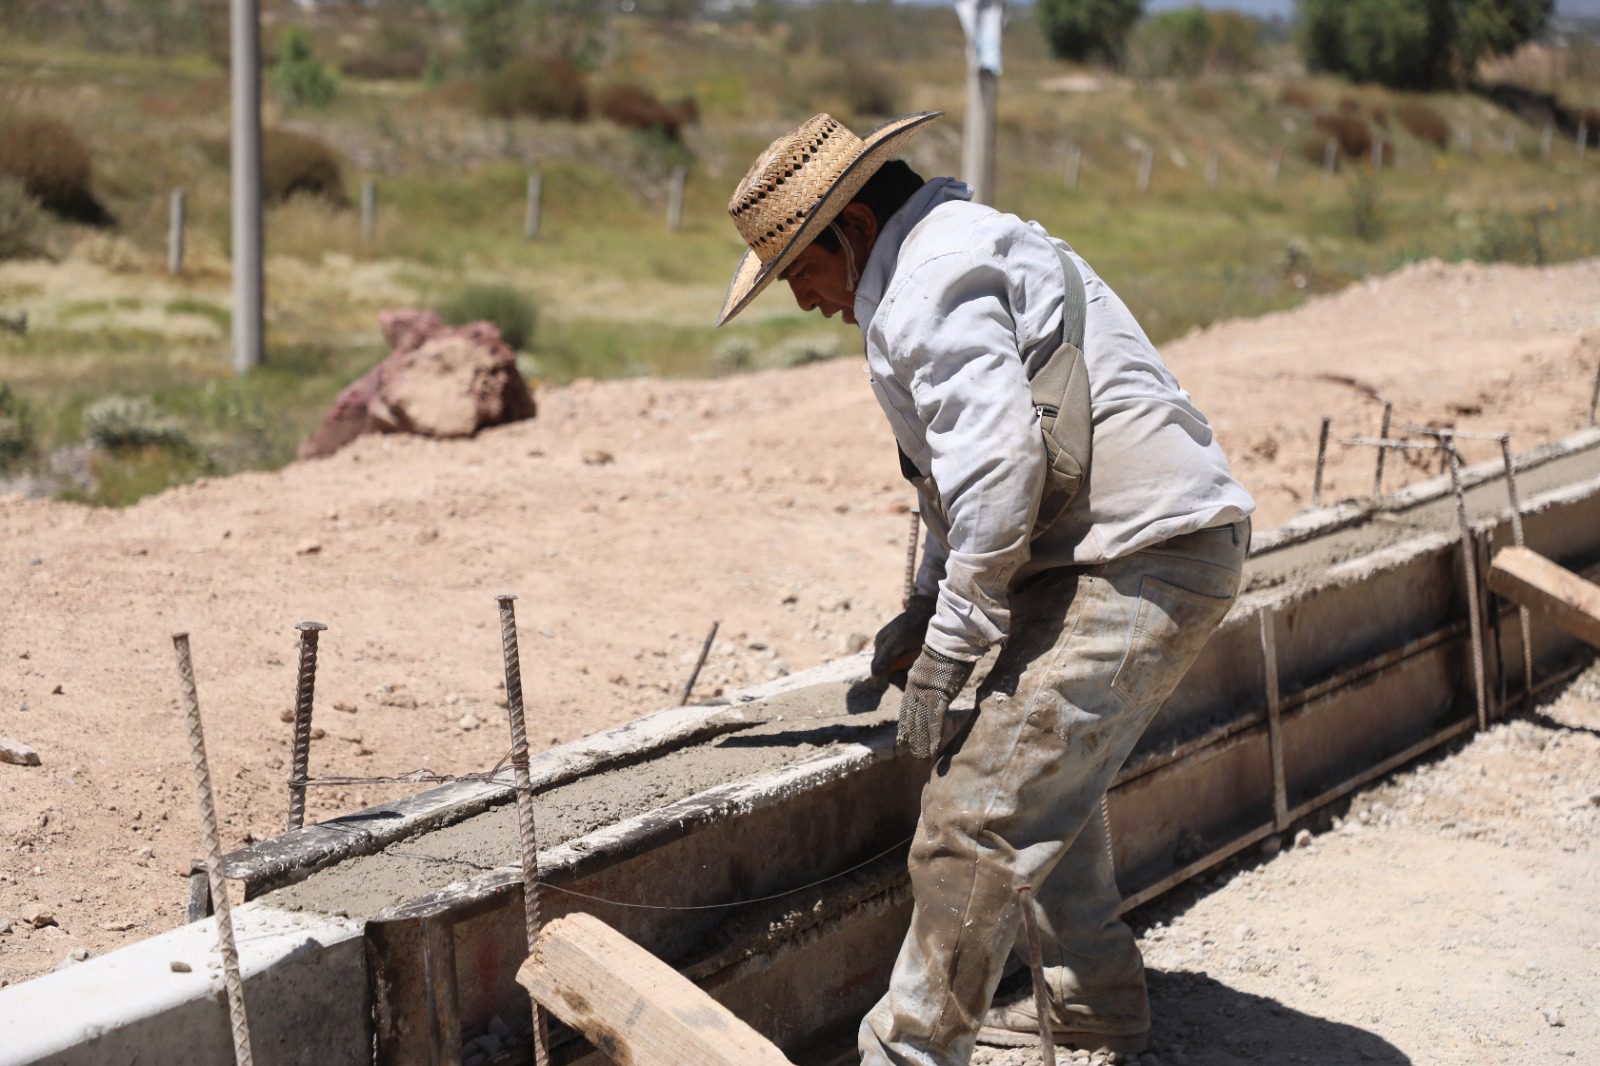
616 293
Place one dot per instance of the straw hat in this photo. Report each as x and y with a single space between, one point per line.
799 185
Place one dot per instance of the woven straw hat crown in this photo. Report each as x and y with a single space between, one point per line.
787 181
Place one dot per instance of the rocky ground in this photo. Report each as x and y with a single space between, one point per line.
631 514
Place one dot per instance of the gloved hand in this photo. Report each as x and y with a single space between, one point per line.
934 681
897 644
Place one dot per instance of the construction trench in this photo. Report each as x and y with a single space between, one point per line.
757 843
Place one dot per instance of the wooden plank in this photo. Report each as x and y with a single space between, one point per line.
1528 578
632 1006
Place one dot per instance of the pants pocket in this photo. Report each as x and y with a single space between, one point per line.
1170 626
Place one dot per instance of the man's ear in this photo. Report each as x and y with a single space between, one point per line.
860 223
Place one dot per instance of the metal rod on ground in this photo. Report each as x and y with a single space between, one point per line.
226 946
1524 619
530 216
305 686
680 175
1469 560
1322 460
1594 396
1041 998
369 210
175 234
1383 433
245 63
911 555
699 664
527 833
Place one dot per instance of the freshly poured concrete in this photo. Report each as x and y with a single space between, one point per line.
799 724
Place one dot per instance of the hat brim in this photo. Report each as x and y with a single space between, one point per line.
752 276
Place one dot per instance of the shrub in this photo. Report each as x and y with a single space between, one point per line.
1296 95
1087 29
1355 139
298 76
1172 44
733 354
541 86
16 427
808 348
399 53
1365 207
53 166
21 221
636 108
131 422
294 164
1415 44
1423 122
510 311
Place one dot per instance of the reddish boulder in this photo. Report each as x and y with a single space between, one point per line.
437 381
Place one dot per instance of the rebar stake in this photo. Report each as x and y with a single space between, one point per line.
699 664
1322 459
1041 998
1469 561
1524 618
525 823
911 555
1383 434
212 843
305 685
1594 395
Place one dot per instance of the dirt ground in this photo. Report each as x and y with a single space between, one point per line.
631 514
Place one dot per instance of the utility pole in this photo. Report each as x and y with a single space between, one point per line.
982 20
245 64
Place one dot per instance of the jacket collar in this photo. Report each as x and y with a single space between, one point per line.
879 271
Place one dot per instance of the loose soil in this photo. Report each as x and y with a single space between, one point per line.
628 517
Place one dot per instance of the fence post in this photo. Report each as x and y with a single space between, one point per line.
1583 137
369 210
1213 166
530 216
1074 166
1330 155
1546 139
1147 168
1275 164
675 199
1511 140
175 234
1377 153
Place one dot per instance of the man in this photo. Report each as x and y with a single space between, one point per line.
1079 513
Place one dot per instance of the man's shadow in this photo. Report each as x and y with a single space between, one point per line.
1200 1021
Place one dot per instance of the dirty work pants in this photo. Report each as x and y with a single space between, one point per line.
1015 798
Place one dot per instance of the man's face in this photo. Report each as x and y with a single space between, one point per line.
817 278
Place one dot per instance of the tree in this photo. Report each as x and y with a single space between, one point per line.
1088 29
1414 44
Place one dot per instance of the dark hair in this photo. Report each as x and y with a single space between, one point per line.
885 193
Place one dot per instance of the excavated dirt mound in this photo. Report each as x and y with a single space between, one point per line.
628 517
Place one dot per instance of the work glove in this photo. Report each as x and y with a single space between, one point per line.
897 644
934 681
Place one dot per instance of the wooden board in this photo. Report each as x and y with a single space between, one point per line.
632 1006
1556 593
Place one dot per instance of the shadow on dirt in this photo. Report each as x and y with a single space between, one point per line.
1199 1021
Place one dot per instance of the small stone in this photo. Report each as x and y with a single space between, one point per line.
286 715
179 966
468 722
57 691
1553 1018
17 753
347 708
117 927
598 457
317 732
1271 846
41 919
855 642
1302 838
5 926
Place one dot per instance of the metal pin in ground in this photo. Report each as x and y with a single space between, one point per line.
304 690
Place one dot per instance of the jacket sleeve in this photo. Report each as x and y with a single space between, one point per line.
952 343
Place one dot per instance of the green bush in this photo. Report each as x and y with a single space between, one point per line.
1172 44
807 348
733 354
400 53
539 86
21 221
1503 237
1414 44
636 108
294 164
299 77
1423 122
1364 207
510 311
118 421
1351 131
53 166
1087 29
16 428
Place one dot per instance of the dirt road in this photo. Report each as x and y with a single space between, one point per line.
628 517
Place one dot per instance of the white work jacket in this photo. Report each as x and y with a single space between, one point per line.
959 303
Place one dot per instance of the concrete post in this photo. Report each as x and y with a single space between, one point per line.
977 147
530 217
245 64
175 223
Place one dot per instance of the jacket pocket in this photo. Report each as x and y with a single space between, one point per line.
1170 626
1061 397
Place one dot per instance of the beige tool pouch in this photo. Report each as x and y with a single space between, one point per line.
1061 396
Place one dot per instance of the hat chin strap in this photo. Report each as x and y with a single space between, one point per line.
851 275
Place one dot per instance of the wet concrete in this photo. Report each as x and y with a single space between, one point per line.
796 725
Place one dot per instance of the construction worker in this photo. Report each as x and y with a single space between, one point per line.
1079 514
